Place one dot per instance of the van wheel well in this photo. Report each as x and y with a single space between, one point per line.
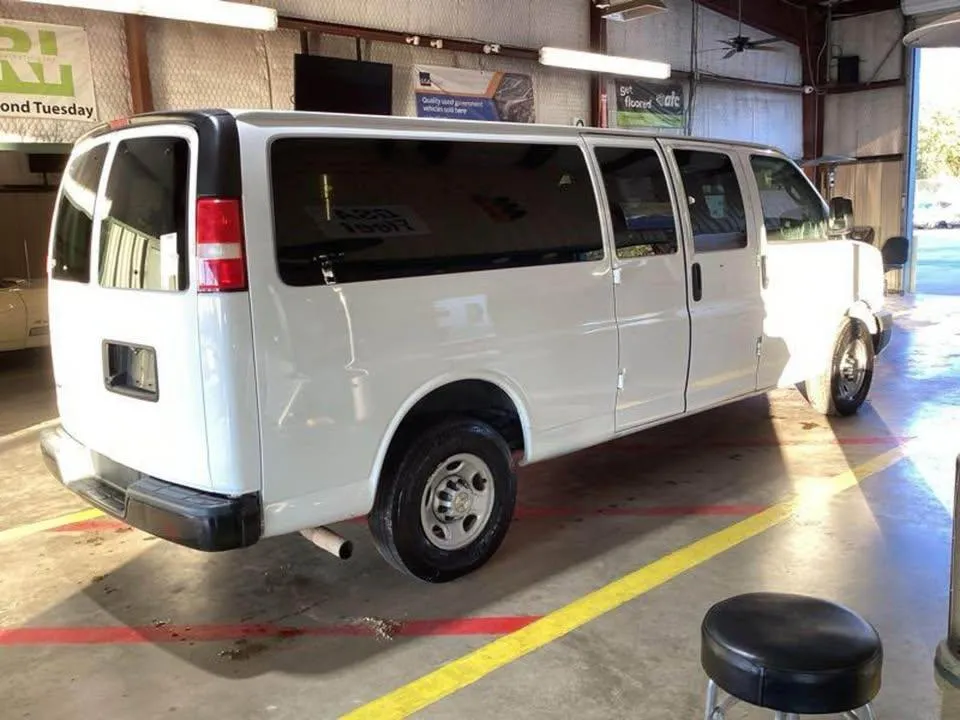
477 399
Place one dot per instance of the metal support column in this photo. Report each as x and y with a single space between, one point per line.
947 659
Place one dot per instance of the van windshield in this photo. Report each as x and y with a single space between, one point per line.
792 210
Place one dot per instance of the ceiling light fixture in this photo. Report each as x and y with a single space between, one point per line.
610 64
630 9
213 12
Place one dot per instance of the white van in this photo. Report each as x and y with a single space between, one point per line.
266 322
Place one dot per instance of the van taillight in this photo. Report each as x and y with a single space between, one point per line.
220 256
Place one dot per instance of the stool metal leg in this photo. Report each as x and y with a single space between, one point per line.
864 713
715 708
711 700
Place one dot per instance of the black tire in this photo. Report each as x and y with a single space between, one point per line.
395 520
830 392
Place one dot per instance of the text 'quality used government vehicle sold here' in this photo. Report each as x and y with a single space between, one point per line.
267 322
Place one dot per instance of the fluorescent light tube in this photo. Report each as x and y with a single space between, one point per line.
213 12
610 64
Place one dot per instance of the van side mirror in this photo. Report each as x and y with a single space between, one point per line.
841 214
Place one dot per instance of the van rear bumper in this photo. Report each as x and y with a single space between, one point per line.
196 519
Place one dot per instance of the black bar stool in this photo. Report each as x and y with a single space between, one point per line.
792 654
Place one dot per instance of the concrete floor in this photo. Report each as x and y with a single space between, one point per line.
212 633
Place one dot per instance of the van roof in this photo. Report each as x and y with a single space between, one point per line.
299 118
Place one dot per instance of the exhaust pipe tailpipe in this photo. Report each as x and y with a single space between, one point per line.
328 540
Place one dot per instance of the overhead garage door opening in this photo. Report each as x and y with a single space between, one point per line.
936 207
28 183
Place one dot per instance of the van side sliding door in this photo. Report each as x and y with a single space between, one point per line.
726 308
649 280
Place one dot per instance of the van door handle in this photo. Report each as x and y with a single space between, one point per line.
764 278
697 282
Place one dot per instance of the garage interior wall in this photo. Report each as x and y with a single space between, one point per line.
26 218
197 65
193 66
730 112
871 123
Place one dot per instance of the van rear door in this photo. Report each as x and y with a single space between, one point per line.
123 309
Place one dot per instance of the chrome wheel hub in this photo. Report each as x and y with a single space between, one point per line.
852 369
457 502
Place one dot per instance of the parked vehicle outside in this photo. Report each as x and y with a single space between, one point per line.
23 314
936 215
268 322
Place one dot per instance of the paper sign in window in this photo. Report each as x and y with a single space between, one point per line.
345 222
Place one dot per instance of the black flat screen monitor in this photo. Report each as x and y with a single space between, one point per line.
324 84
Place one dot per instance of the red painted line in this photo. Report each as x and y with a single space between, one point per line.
95 525
121 634
773 442
106 524
531 511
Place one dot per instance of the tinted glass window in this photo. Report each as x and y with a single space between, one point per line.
72 235
639 201
714 200
143 238
348 210
792 210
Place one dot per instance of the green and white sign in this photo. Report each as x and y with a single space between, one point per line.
649 105
45 72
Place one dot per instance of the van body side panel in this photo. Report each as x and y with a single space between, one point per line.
651 295
229 391
812 281
723 249
337 363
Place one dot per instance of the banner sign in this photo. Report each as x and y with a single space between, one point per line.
642 104
446 92
45 72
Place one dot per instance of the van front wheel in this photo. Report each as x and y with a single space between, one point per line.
443 510
843 387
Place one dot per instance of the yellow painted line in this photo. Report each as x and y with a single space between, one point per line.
22 531
470 668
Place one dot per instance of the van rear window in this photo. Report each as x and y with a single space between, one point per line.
143 238
72 234
350 210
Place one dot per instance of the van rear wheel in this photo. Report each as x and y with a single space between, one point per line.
443 508
843 387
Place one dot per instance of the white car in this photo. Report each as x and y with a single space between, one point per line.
23 314
266 322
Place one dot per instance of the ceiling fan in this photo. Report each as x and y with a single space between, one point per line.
740 43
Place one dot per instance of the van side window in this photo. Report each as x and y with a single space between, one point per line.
792 210
639 201
351 210
714 200
72 234
143 238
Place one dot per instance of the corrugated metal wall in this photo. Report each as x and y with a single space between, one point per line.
871 123
770 117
